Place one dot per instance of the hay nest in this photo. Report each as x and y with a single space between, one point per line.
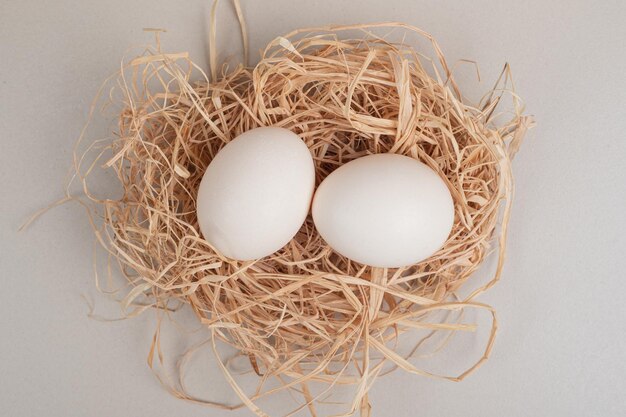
305 315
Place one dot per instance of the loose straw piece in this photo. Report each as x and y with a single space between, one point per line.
213 41
244 31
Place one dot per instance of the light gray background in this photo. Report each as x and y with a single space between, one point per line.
561 346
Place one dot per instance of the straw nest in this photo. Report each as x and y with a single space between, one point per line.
305 316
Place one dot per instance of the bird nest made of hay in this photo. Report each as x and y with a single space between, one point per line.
305 316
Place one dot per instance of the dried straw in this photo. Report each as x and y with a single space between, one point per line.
305 316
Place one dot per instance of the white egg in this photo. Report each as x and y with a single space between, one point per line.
384 210
256 193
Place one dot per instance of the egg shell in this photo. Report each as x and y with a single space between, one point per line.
256 193
384 210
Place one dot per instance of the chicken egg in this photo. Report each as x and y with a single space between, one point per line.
384 210
256 193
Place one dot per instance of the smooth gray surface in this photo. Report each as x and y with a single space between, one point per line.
562 341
